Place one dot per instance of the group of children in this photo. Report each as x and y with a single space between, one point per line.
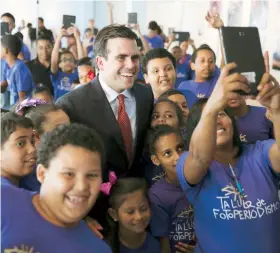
52 169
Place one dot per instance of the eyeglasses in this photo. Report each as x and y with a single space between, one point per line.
67 60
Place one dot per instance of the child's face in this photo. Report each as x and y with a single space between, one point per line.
18 154
83 74
164 114
71 183
54 119
168 150
3 52
181 101
134 214
184 46
204 65
67 62
177 53
161 75
44 96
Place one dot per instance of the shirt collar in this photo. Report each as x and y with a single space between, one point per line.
112 94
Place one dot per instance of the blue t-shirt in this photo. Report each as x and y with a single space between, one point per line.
26 53
30 182
150 245
24 228
254 126
201 90
5 97
224 222
90 49
172 215
62 82
155 42
19 79
183 72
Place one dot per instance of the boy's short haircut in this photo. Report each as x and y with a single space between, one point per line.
40 88
64 51
12 43
10 122
155 54
9 15
41 19
73 134
19 35
86 61
44 37
202 47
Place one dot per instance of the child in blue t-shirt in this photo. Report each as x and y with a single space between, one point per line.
129 216
69 169
172 215
17 75
45 117
203 64
183 69
18 154
63 68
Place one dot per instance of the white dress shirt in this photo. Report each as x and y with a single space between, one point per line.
130 105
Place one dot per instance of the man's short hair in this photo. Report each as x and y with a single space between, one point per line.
41 19
12 43
155 54
44 37
9 15
111 32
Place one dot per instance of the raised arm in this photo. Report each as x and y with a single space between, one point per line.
77 35
269 96
142 38
216 22
55 51
110 12
203 142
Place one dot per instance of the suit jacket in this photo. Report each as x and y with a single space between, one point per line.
88 105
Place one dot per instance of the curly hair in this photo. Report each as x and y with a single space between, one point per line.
73 134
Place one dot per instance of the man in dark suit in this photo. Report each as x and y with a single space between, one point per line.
112 104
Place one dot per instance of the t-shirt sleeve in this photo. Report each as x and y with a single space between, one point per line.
262 150
191 191
160 220
23 80
55 77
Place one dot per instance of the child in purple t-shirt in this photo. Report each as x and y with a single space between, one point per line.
63 70
203 63
252 122
172 215
18 154
69 169
129 216
165 112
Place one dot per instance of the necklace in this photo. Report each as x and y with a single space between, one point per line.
237 183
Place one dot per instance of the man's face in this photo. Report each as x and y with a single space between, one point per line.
44 49
40 24
10 23
120 68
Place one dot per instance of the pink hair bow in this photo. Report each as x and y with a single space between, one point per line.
28 102
106 187
91 75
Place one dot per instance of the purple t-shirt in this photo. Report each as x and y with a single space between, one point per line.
150 245
24 228
172 215
224 222
62 82
201 90
155 42
255 126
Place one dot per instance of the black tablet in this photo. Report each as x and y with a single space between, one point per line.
4 28
242 45
182 36
132 18
68 21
